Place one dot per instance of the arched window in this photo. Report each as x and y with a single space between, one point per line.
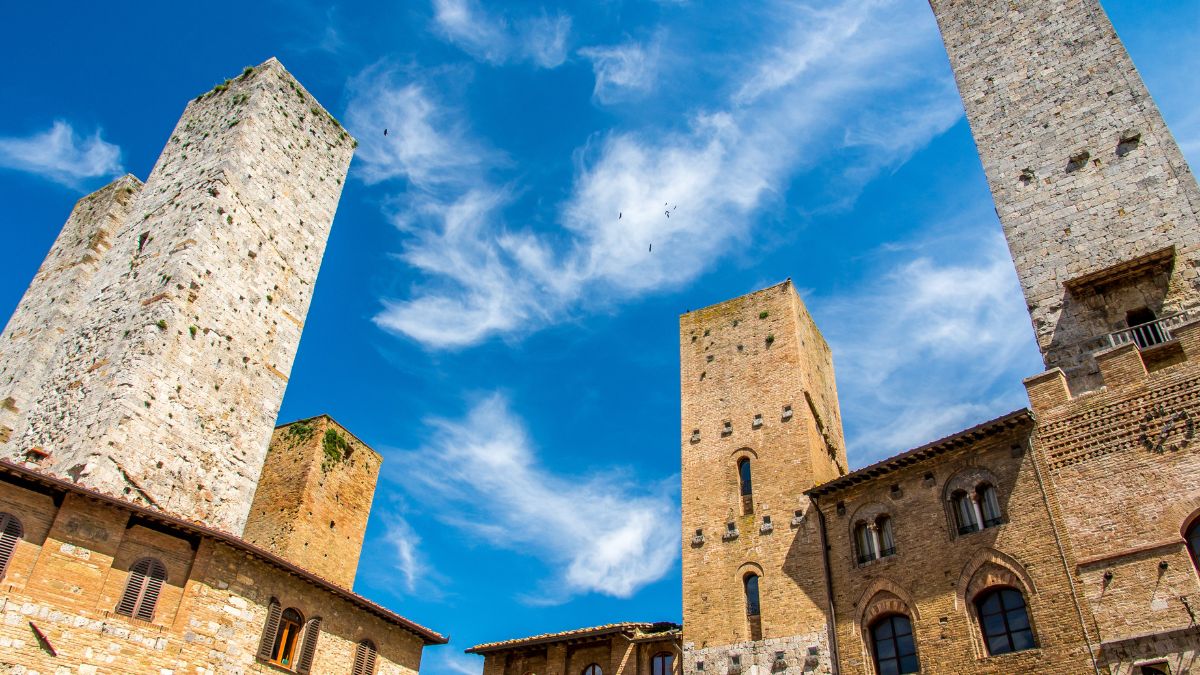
662 663
593 669
746 485
283 652
964 513
893 647
364 658
1004 620
753 608
864 541
10 532
887 542
146 578
1193 543
989 505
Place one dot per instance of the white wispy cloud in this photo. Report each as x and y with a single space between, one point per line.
876 90
623 71
61 155
602 533
932 343
405 544
497 39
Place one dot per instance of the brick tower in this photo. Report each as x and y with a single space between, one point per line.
314 497
163 379
760 424
1098 205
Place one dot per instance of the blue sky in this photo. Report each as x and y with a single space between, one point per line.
485 320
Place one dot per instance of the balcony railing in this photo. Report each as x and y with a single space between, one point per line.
1151 333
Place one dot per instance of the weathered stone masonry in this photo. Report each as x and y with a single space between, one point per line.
166 386
1083 170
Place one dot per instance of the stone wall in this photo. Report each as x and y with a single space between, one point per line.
936 572
758 364
166 388
55 298
1084 172
70 569
314 498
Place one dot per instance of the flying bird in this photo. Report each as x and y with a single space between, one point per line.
651 247
385 132
619 214
667 213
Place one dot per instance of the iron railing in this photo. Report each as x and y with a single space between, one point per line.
1150 333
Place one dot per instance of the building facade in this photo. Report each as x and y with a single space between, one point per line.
613 649
1062 538
152 517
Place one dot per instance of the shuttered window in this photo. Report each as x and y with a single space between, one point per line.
308 649
283 652
364 658
146 578
10 532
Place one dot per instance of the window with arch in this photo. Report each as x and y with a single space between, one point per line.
287 640
1004 621
875 539
745 485
1193 543
364 658
593 669
750 584
11 532
662 663
146 578
976 508
892 645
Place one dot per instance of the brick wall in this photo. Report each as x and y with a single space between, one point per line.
314 497
936 573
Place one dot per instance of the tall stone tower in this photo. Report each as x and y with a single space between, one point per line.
1099 207
760 424
314 497
163 381
56 297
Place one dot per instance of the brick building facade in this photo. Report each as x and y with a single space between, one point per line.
614 649
1058 539
152 517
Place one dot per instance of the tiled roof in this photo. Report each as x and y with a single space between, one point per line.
965 437
46 481
633 628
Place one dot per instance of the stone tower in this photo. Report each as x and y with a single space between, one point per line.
760 425
55 297
314 496
165 376
1097 203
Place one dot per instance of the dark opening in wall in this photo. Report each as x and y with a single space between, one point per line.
1128 143
1078 161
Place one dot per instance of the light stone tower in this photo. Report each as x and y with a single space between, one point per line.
1098 205
760 425
161 377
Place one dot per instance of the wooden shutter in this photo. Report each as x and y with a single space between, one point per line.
270 630
364 658
312 631
145 582
10 532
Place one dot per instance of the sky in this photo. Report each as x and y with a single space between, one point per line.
497 311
